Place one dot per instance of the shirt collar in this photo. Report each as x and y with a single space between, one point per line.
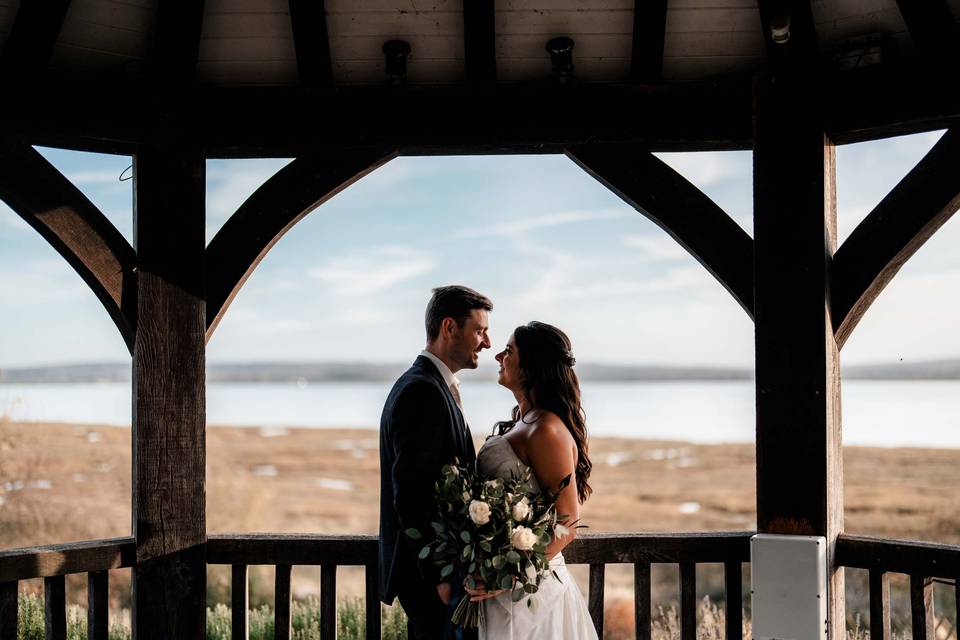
444 370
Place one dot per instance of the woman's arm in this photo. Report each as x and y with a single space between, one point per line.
553 456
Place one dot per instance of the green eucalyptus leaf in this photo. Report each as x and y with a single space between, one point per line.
465 536
506 582
467 550
513 556
413 533
498 562
425 552
438 527
447 570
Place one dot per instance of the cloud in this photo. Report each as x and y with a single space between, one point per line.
524 225
708 168
11 220
658 248
374 270
229 185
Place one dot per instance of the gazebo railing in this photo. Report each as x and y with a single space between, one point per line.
283 551
53 563
921 561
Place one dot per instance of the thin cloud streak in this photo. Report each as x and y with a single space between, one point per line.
372 271
518 227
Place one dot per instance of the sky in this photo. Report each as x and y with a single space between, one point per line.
538 235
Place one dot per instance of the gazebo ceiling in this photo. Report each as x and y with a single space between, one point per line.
272 76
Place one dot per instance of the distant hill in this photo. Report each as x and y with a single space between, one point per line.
366 372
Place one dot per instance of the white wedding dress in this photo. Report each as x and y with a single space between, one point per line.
562 613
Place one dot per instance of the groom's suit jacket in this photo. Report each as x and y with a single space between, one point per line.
421 430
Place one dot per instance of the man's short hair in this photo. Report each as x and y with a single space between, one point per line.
453 301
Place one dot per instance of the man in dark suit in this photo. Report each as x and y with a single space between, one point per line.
422 428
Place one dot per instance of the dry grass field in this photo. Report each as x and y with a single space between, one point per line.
62 482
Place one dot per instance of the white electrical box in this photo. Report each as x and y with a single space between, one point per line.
789 587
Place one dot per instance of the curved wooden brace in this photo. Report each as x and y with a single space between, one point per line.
270 211
894 230
74 226
691 218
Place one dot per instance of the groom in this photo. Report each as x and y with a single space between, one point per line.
422 428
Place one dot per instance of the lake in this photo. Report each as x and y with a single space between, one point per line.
877 413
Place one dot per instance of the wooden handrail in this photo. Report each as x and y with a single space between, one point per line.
912 557
61 559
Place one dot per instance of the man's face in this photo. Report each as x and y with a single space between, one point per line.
470 339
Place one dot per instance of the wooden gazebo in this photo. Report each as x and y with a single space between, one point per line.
344 87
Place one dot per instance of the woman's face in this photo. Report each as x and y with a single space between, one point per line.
509 360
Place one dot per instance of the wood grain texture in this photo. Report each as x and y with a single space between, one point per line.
642 604
899 556
282 599
668 199
277 205
595 596
328 601
55 608
30 42
169 588
798 443
62 559
308 18
74 227
922 617
239 602
98 605
893 231
879 604
8 610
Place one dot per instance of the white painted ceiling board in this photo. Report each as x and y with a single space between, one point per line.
685 45
597 70
250 25
562 5
421 48
103 36
722 19
573 23
712 4
395 24
246 73
424 72
393 6
585 46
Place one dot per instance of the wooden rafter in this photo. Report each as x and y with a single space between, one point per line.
270 212
800 51
308 19
701 227
74 226
479 42
177 41
649 32
893 232
932 28
30 42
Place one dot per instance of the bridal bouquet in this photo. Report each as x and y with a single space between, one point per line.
492 530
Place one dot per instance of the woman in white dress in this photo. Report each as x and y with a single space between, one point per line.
547 433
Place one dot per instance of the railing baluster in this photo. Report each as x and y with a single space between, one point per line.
372 588
239 602
641 599
688 601
55 608
879 605
282 603
733 582
595 601
921 607
328 602
98 605
8 610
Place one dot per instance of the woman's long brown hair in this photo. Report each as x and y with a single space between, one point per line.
550 383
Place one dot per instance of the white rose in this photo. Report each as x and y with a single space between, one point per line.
454 471
466 496
493 484
479 512
523 539
560 531
521 510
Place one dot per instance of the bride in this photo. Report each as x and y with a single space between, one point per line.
548 435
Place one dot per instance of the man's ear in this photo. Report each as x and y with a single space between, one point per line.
447 326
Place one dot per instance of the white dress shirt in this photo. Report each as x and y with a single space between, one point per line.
449 379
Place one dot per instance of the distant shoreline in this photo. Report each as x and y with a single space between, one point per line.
328 372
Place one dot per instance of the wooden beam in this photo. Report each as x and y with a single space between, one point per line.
274 208
799 52
896 228
73 225
799 463
176 43
479 42
169 510
308 19
649 31
668 199
933 30
30 42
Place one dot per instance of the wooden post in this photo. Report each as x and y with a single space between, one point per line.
799 464
169 577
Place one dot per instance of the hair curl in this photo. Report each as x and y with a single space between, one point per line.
549 382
